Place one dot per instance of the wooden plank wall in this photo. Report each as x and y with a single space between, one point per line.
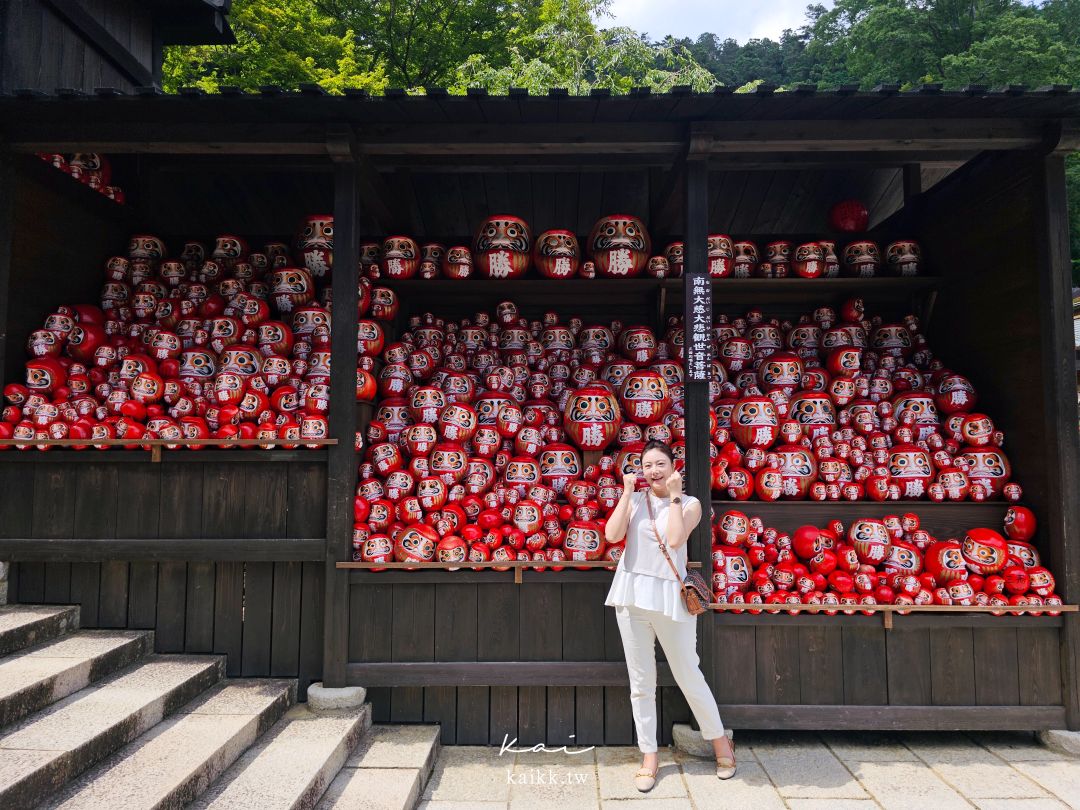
62 235
977 230
200 198
449 207
266 616
500 622
825 660
41 51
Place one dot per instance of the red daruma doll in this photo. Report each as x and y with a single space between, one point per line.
502 246
592 417
620 246
556 254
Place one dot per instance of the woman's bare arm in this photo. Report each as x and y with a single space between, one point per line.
619 521
680 521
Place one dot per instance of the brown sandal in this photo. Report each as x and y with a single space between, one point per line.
644 779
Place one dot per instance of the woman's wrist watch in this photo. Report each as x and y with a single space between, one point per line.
677 499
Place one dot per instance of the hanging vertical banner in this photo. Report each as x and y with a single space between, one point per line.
698 326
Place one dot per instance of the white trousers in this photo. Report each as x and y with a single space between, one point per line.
640 629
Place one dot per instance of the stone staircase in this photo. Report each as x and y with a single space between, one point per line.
95 719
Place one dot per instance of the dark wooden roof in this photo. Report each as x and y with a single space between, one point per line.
396 107
436 125
192 22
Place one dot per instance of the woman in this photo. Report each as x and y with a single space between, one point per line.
648 605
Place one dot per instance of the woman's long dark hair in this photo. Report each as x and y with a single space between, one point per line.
663 447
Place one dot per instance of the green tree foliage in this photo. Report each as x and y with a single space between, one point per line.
415 44
1072 183
422 43
282 42
568 49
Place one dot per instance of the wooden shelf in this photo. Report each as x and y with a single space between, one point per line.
76 192
646 300
938 518
797 296
476 577
120 456
158 549
911 621
595 300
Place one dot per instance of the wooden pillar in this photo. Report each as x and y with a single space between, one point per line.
912 180
697 292
341 458
1062 525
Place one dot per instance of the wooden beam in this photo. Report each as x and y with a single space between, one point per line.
892 718
497 673
892 135
810 161
513 164
523 139
158 549
107 46
1063 137
1061 454
191 137
341 459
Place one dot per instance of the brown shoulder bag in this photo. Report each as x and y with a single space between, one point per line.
695 593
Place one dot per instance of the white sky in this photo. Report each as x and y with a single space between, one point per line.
740 19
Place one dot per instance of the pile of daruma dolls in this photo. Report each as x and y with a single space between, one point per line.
497 438
891 561
222 343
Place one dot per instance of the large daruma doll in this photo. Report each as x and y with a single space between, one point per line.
315 244
645 396
556 254
592 417
502 247
754 422
619 246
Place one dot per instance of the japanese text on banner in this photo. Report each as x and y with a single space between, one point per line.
698 327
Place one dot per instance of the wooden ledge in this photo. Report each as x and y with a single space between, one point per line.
160 549
449 572
153 450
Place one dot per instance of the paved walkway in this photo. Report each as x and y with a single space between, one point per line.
805 771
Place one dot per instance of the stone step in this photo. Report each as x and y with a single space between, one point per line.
39 754
24 625
291 767
174 762
38 676
389 769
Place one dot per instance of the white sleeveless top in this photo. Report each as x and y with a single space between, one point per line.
643 577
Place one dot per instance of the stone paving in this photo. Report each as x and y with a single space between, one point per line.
799 771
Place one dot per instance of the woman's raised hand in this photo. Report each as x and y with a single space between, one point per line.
629 483
674 484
